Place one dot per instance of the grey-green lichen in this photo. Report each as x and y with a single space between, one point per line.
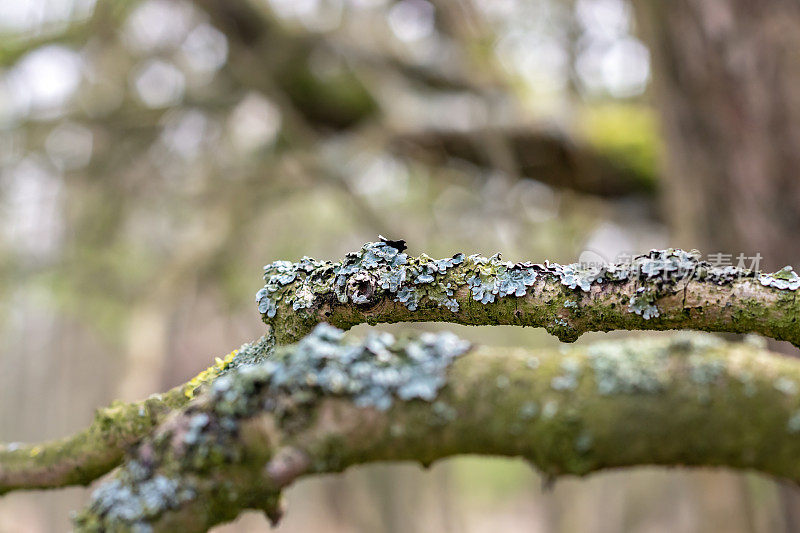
786 385
132 500
793 424
643 303
384 266
785 278
371 372
568 379
550 409
382 271
636 366
528 410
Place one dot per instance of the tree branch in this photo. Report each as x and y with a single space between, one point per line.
323 405
81 458
664 289
544 154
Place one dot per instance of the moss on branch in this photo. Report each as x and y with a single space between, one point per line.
85 456
572 411
664 289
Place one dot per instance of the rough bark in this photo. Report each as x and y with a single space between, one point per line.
575 411
667 289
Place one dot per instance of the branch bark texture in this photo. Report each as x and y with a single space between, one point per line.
664 289
322 405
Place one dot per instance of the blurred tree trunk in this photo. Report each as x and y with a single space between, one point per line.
726 80
727 83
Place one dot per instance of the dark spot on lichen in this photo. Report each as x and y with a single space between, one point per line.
399 245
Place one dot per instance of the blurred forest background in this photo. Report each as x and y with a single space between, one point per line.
155 154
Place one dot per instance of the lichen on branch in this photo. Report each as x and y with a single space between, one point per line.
663 289
257 419
325 404
185 463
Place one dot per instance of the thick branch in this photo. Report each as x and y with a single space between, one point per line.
690 400
81 458
666 289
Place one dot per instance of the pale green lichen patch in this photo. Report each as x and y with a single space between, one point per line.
443 413
785 279
528 410
705 372
583 442
494 278
550 409
643 303
793 424
747 380
785 385
502 382
635 366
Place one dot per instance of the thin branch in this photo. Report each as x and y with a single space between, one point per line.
664 289
689 399
81 458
